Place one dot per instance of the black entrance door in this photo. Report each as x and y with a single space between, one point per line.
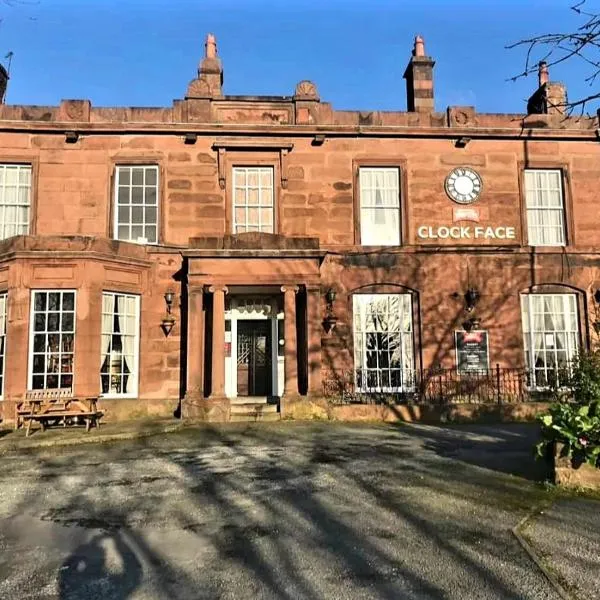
254 364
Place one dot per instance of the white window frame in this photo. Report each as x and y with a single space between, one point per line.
571 333
260 170
537 202
406 344
119 169
136 349
20 227
3 322
32 313
374 238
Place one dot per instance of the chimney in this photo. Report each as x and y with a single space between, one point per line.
551 96
3 83
210 68
209 83
419 79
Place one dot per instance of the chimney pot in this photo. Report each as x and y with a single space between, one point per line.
543 74
211 46
419 47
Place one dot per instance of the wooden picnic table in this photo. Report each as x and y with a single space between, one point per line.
49 407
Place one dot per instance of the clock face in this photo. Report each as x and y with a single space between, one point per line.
463 185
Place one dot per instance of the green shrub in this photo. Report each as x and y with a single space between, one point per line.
574 423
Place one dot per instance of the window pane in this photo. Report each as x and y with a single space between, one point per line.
137 215
124 214
137 195
53 321
150 215
68 322
37 382
150 234
137 176
151 176
68 301
151 196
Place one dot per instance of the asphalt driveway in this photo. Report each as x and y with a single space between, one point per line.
283 511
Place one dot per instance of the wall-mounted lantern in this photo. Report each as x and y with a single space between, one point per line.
330 320
168 321
471 299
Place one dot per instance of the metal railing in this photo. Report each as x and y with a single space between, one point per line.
500 385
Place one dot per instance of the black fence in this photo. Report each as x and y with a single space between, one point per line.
499 385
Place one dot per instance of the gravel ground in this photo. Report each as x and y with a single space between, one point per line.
282 511
568 538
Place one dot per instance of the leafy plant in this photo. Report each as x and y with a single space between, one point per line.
575 423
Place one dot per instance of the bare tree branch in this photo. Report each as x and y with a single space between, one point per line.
582 44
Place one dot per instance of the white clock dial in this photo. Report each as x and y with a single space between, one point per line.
463 185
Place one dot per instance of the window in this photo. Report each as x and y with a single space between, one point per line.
136 210
2 340
52 339
383 343
545 207
15 199
550 334
253 207
120 344
379 206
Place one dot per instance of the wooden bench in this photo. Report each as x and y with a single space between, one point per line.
33 398
56 406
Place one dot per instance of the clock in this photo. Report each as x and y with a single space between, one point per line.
463 185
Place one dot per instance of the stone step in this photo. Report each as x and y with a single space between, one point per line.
248 400
237 418
253 409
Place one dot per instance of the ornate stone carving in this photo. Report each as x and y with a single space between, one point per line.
462 116
199 88
306 90
75 110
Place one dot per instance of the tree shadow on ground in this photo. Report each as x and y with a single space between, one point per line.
506 448
306 511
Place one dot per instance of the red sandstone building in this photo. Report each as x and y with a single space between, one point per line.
232 247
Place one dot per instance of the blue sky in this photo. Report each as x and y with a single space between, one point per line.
144 52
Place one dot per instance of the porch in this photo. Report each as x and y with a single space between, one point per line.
253 323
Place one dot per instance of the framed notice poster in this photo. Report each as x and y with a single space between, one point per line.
472 351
